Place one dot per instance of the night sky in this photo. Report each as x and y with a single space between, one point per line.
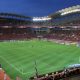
35 7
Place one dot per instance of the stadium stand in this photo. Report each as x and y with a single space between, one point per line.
62 25
66 35
66 74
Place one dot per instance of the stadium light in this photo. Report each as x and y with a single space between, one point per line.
41 18
71 11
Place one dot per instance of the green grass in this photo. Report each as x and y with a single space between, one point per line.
17 58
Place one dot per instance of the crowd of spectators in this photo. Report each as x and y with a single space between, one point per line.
66 74
28 33
16 34
64 35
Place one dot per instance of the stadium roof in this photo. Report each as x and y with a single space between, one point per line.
70 10
66 11
12 14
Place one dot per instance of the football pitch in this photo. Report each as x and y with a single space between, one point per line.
18 58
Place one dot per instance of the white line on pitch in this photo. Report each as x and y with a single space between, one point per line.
19 70
11 64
